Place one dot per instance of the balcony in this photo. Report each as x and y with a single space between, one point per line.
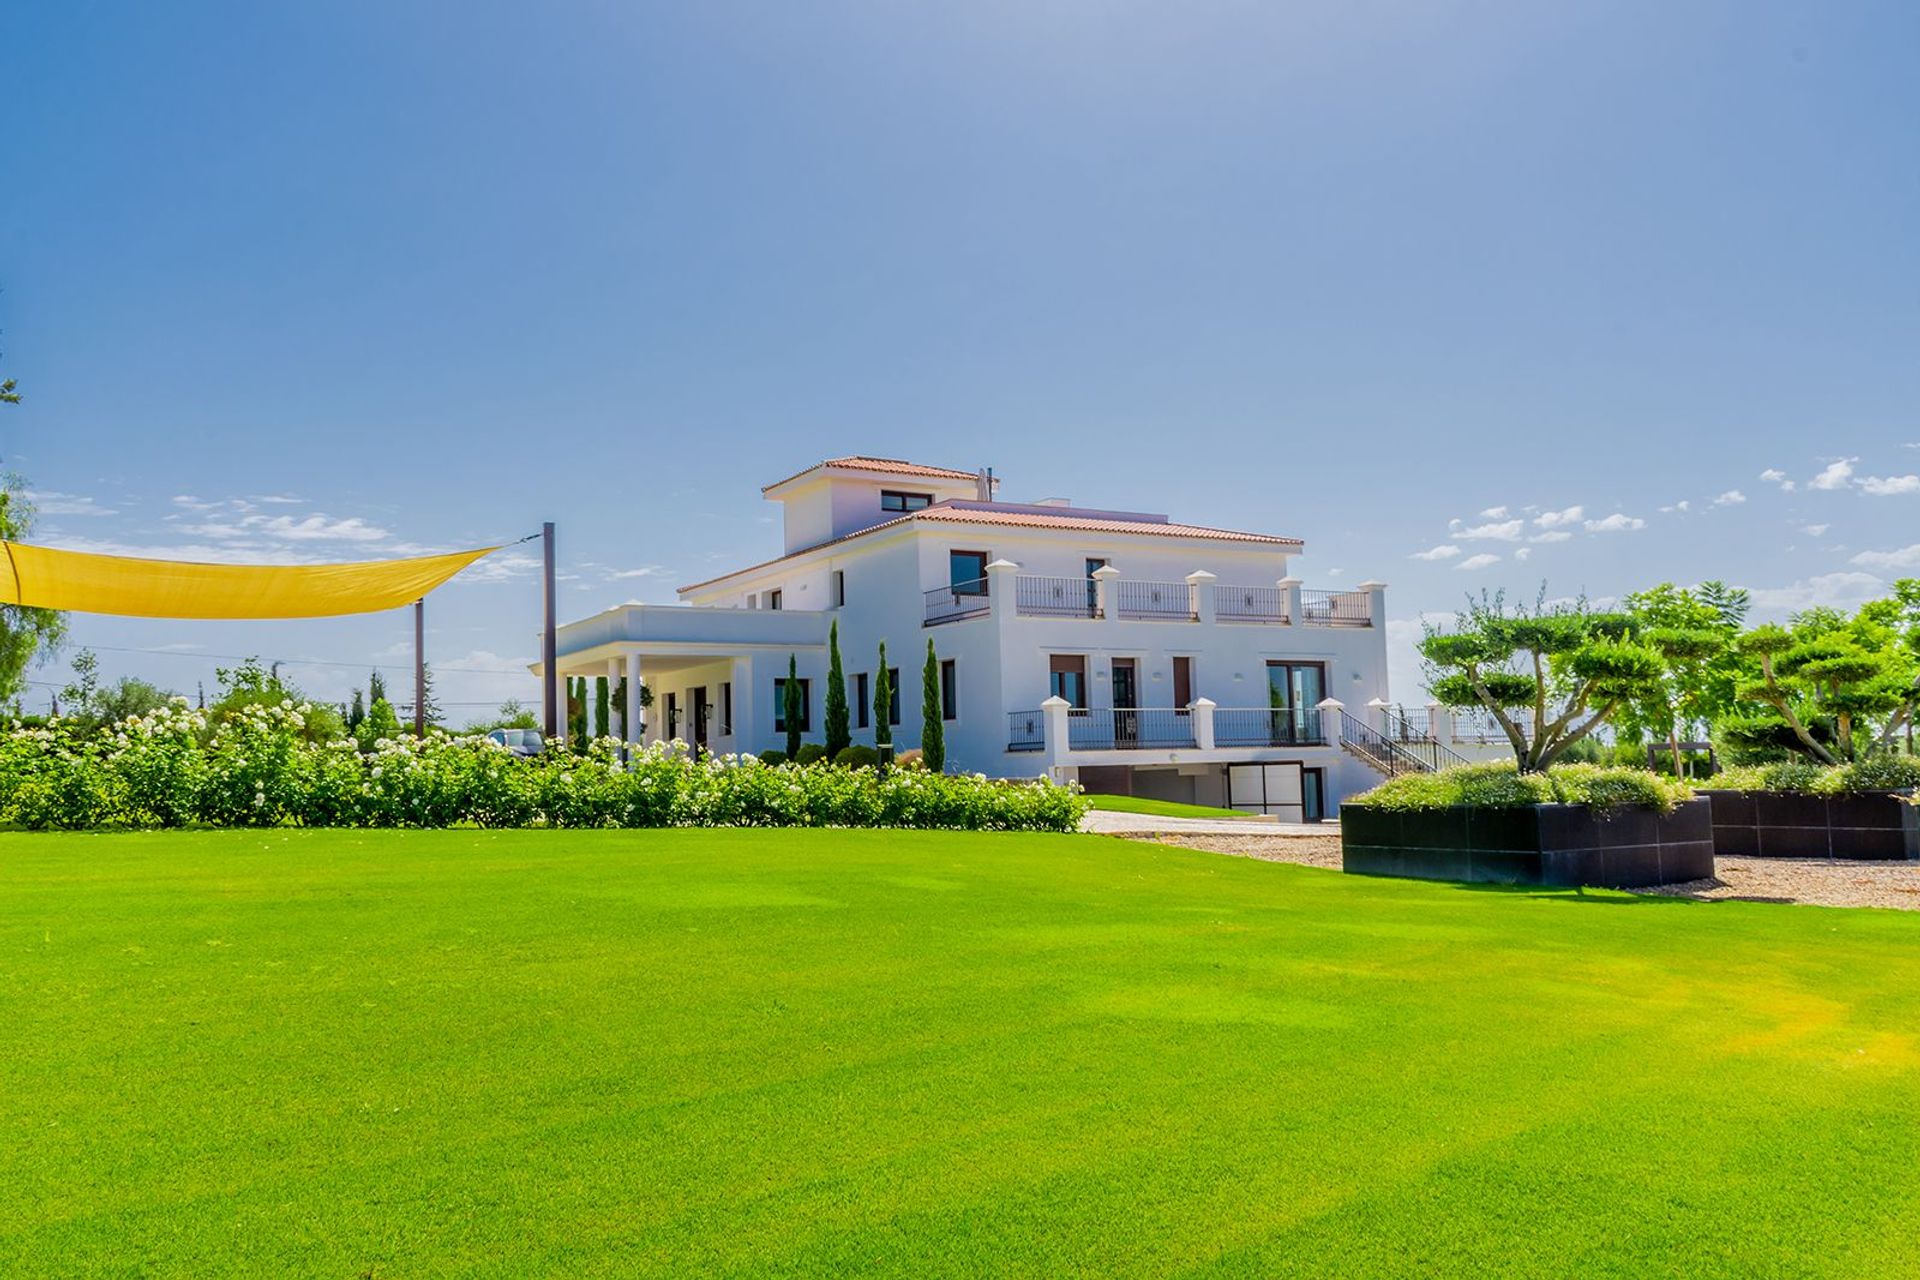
957 601
1202 726
1106 595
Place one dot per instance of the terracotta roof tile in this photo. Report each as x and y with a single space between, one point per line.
889 466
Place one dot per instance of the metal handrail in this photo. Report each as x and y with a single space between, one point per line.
1054 597
1336 608
1249 604
1130 729
1267 727
1162 601
957 600
1027 730
1394 757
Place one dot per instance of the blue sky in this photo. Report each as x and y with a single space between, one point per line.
332 282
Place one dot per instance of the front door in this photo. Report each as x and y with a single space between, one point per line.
698 699
1126 698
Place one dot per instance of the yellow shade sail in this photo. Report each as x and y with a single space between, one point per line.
78 581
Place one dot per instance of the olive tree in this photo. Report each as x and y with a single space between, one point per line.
1549 675
1693 632
1843 687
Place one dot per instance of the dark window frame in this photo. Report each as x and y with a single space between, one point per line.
1055 670
780 704
975 585
904 500
949 689
862 703
893 696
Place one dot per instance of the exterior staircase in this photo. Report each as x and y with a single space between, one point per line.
1403 750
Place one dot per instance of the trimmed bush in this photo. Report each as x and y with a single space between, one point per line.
773 756
258 770
811 753
1500 786
1798 777
857 756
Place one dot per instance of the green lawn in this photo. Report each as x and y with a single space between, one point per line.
1162 808
814 1053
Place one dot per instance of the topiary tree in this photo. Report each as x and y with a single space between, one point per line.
837 733
1843 687
882 702
1564 668
1693 631
933 734
790 706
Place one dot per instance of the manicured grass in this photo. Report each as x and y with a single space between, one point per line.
1162 808
812 1053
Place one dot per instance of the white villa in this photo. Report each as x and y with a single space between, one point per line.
1134 653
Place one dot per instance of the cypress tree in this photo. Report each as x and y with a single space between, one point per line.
376 688
603 726
839 737
356 712
933 733
790 706
882 702
619 695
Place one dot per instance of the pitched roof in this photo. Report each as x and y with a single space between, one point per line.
1006 515
891 466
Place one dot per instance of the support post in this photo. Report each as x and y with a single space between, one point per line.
1290 600
420 667
631 727
1330 712
1202 711
1200 595
1382 715
549 639
1376 602
1106 599
1440 723
1054 729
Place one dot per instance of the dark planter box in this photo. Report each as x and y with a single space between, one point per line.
1870 826
1548 844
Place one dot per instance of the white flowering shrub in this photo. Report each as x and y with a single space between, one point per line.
259 767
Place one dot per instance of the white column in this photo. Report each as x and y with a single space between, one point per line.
747 737
1440 722
1055 711
1200 594
1106 597
632 725
1003 598
1382 715
1376 602
613 691
1202 709
1290 599
1330 713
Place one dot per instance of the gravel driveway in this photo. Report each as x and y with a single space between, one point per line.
1804 880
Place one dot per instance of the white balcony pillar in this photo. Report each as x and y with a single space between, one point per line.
1202 711
1054 729
630 728
1001 596
747 731
1331 711
1106 596
1440 722
1200 595
1382 715
1290 600
1376 603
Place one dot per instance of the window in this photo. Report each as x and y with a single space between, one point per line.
895 500
1182 682
949 693
862 704
726 708
780 705
673 716
1067 678
893 695
773 599
839 589
967 572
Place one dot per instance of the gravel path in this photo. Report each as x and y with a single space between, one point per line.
1810 881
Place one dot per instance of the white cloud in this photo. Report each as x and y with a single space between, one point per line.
1502 531
1494 513
1836 475
1731 498
1682 505
1773 475
1618 522
49 503
1903 558
316 528
205 552
1522 553
1551 519
1551 535
502 566
644 571
1814 530
1887 486
1480 561
1445 551
1840 590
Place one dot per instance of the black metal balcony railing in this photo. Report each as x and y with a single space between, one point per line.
1026 730
1249 604
956 601
1054 597
1158 601
1130 729
1267 727
1336 608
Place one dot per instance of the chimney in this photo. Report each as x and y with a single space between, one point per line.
983 484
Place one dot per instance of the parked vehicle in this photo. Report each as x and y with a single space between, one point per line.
522 742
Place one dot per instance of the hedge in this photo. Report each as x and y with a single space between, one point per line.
172 769
1881 773
1501 786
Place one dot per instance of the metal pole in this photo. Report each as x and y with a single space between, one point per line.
420 667
549 644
